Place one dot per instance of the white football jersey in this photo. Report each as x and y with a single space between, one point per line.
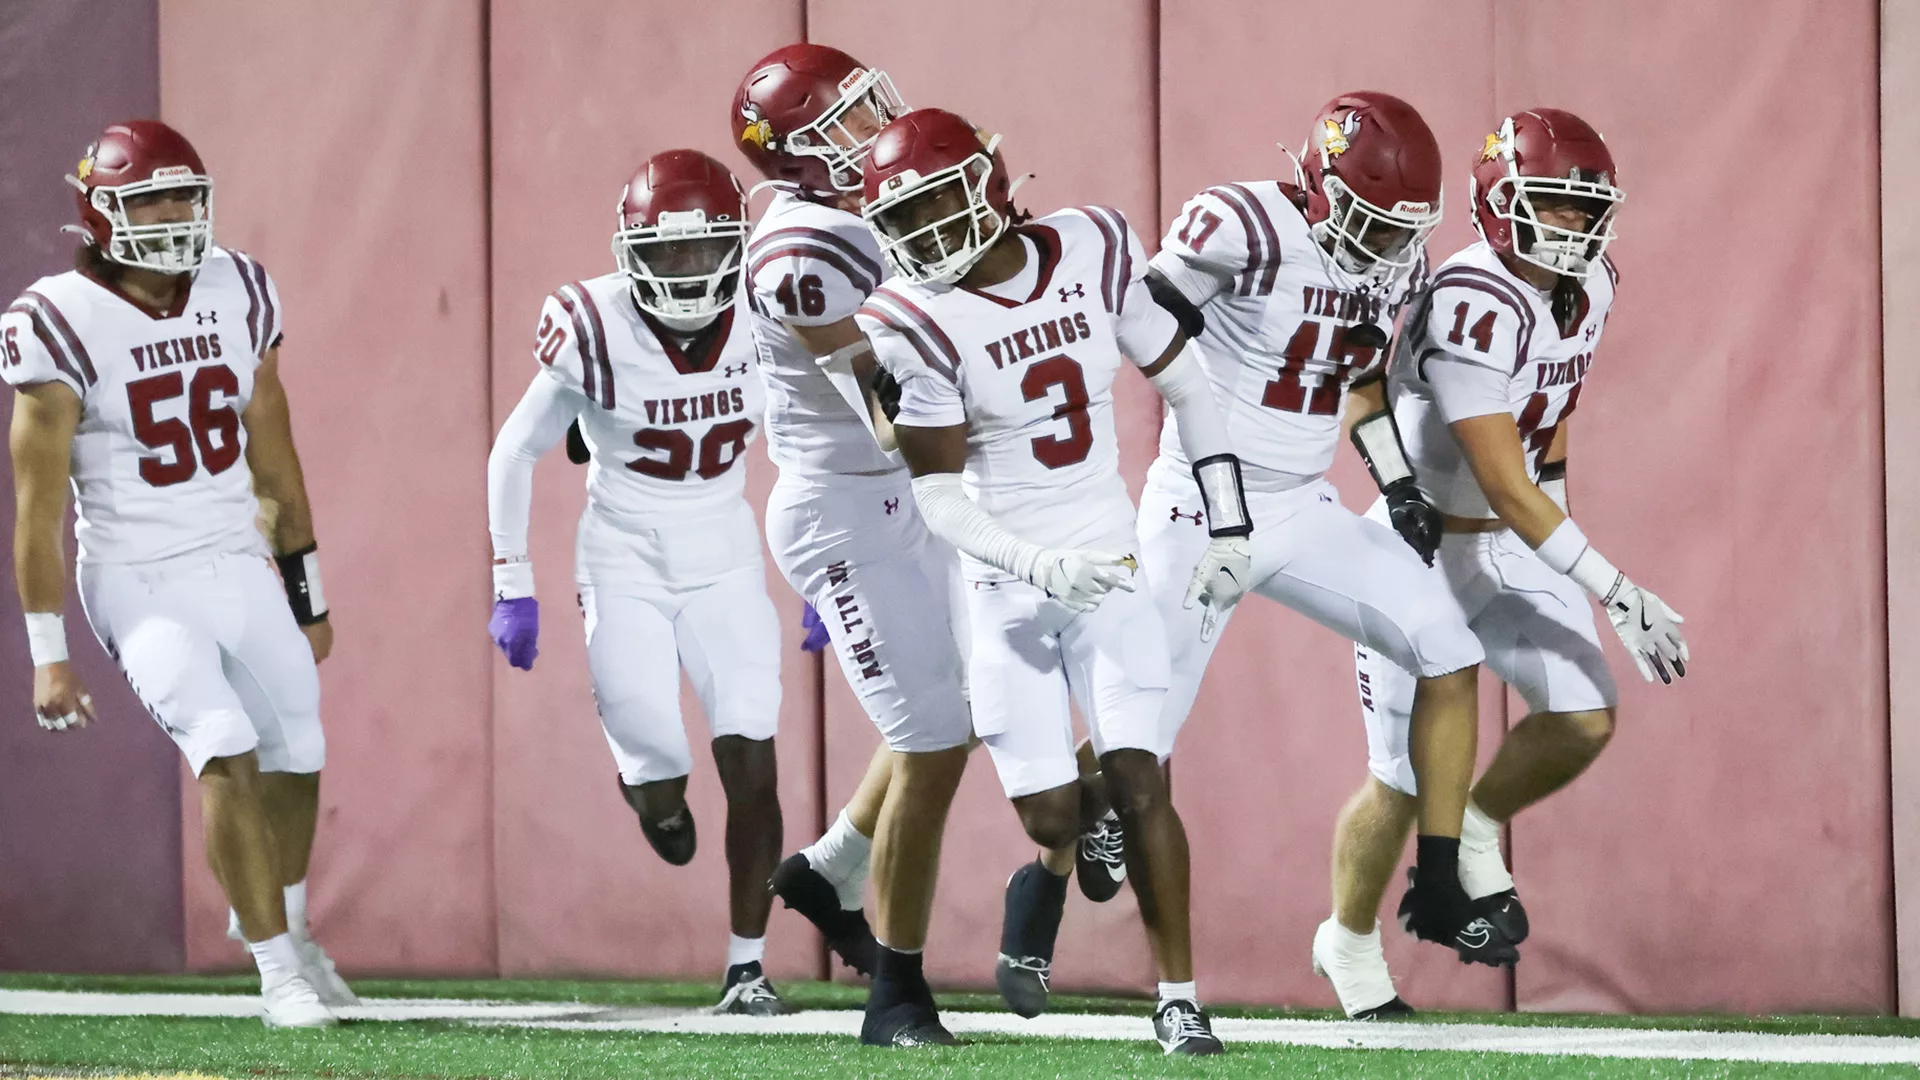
159 458
1029 367
1477 312
1275 347
668 420
810 265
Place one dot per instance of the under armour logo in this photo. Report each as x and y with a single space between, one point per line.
891 505
730 370
202 318
1177 515
1592 330
1077 291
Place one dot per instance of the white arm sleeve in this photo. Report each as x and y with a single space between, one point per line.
1188 392
1466 389
533 428
960 521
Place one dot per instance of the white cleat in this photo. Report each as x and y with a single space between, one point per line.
1357 968
317 967
291 1003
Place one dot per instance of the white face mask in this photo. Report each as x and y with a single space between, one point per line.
829 137
175 247
684 268
939 249
1373 245
1573 252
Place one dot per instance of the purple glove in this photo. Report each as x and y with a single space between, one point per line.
515 627
816 630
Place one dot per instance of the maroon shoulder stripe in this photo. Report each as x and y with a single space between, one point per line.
64 331
1117 230
588 382
759 258
1256 244
1467 277
269 315
1613 272
253 300
1107 292
45 334
828 238
1271 264
601 355
899 315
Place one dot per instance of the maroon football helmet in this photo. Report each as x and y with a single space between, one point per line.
132 163
683 225
937 194
799 116
1545 157
1371 174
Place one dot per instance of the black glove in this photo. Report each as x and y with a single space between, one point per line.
1414 518
886 389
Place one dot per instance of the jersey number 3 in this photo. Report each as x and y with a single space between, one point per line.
214 429
1054 451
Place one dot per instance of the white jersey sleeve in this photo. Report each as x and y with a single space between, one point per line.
917 354
809 276
1208 249
570 343
534 427
32 350
1142 327
264 328
1476 332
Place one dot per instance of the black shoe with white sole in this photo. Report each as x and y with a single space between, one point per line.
750 993
1183 1028
1504 911
807 891
1100 861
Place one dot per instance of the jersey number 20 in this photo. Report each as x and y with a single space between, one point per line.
205 420
718 451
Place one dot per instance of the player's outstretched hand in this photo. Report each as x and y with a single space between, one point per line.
515 627
319 639
1081 579
1414 518
1223 574
1650 630
60 701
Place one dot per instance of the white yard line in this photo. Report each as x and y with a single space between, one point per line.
1470 1038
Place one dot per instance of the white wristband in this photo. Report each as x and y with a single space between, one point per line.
1568 552
513 579
46 637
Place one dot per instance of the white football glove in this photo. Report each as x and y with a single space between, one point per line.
1223 575
1649 629
1081 579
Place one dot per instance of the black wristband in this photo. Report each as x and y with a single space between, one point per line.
300 573
1553 470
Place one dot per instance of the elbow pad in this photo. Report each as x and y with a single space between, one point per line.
1169 296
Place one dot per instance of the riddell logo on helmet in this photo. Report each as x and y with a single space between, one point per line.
173 172
1406 207
853 78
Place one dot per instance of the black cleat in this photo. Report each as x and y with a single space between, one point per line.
1392 1010
672 837
1450 921
907 1024
750 993
1099 862
807 891
1184 1028
1023 983
1504 911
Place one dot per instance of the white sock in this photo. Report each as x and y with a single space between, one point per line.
1351 943
841 855
1482 871
276 957
296 895
233 927
745 950
1179 992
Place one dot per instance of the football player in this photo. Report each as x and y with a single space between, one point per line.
1293 285
148 380
1487 376
1006 339
842 525
655 361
